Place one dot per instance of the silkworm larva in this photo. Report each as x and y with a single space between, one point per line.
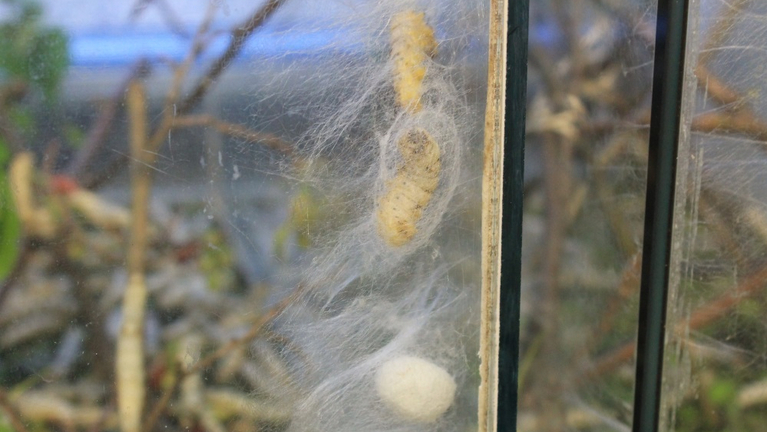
410 191
412 43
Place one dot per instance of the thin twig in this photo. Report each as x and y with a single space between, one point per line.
167 14
238 37
194 52
235 130
701 317
170 109
255 330
741 122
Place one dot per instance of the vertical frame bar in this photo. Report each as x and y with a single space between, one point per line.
502 214
668 77
511 239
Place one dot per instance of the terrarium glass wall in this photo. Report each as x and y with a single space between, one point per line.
715 365
588 124
241 216
589 105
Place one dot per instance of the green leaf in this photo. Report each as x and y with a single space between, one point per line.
10 230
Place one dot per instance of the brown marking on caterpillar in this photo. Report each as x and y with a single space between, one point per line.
412 43
409 192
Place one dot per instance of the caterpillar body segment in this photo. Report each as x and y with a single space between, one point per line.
409 192
412 44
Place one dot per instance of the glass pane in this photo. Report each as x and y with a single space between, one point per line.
241 216
717 344
588 124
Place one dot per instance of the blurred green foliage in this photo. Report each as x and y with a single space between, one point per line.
10 226
33 61
30 52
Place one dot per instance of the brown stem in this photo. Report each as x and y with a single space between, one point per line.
181 71
129 355
234 130
141 177
557 180
741 122
701 317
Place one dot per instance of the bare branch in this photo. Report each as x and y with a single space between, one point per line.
272 141
238 37
129 362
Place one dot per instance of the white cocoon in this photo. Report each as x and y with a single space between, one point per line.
415 389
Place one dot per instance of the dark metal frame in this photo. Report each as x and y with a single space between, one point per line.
668 80
511 222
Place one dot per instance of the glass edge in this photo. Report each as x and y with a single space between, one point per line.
502 214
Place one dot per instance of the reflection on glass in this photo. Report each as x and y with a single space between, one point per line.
715 363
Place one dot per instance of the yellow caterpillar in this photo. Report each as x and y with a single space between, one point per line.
408 193
412 43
